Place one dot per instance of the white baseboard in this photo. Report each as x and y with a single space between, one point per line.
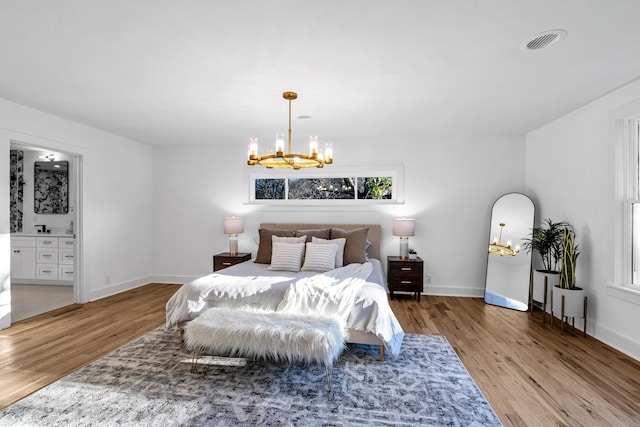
116 288
165 278
621 343
454 291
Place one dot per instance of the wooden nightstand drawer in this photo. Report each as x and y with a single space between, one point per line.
405 275
225 259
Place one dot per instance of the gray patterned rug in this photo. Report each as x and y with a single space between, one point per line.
149 383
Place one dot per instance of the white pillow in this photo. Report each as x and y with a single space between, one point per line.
286 256
340 242
320 257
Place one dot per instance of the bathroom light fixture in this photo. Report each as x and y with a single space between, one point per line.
233 226
498 248
404 227
288 160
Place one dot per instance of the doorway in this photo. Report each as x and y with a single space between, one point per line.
45 229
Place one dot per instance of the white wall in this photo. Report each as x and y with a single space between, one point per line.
116 196
450 186
570 168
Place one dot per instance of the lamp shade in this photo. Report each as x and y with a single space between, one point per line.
233 225
404 227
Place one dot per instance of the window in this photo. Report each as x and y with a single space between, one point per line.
633 202
628 195
332 186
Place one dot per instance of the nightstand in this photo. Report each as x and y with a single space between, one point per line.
405 275
225 259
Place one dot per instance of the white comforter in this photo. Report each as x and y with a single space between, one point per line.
252 285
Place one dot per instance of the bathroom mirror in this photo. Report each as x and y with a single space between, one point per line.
51 187
508 267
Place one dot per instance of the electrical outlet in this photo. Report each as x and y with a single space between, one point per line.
428 278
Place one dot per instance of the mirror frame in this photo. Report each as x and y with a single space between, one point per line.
500 289
51 187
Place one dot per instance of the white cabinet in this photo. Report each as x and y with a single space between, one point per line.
66 258
46 258
23 258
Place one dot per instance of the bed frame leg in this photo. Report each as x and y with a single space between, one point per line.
329 378
382 353
181 333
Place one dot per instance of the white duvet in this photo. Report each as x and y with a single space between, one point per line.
363 304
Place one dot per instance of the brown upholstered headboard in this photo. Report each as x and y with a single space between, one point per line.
374 234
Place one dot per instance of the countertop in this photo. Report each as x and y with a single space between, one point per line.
24 234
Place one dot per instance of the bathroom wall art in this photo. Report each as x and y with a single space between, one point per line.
16 190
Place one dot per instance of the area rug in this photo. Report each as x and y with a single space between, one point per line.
149 382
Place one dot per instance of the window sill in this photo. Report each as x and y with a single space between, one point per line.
627 293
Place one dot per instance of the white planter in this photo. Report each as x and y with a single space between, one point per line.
573 302
553 279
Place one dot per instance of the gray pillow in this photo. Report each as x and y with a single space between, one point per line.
355 249
320 233
264 247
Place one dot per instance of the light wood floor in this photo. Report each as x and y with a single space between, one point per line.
532 375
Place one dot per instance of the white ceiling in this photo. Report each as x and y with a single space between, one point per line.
212 72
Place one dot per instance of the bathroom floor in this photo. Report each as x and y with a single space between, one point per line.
30 300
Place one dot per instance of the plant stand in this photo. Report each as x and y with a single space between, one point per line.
570 303
547 280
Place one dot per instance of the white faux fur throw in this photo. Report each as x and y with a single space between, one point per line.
281 336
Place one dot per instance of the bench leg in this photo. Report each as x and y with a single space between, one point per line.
382 353
329 378
194 361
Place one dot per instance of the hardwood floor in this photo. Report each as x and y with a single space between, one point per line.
531 374
42 349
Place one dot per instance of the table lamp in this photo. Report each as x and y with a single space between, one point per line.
404 227
233 226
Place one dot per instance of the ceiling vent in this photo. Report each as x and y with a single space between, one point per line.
542 40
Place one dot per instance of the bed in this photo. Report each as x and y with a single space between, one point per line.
264 284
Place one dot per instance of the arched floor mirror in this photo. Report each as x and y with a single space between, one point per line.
508 267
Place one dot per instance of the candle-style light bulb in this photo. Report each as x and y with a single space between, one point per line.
328 152
253 149
313 145
279 144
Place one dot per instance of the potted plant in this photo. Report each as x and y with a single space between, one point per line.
546 241
568 300
412 254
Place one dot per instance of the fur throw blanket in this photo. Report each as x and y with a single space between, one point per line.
279 336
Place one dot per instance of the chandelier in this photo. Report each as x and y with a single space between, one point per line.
498 248
289 160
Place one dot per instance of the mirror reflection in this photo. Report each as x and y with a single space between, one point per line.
509 268
51 194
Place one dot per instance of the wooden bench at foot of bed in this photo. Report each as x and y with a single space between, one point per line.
272 335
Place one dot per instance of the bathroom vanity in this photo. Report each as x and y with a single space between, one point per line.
47 259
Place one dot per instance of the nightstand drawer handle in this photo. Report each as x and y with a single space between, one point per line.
226 263
406 269
405 282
